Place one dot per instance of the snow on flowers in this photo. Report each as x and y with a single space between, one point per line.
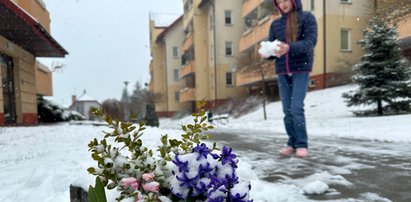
205 175
182 170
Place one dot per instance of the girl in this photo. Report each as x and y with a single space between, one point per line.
297 30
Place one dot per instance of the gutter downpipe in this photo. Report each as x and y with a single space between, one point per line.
324 45
165 74
214 54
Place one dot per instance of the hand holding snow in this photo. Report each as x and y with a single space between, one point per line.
269 48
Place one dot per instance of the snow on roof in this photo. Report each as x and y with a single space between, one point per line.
42 66
163 19
85 97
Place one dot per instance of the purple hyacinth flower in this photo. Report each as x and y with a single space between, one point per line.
238 198
182 166
227 156
204 170
186 181
202 151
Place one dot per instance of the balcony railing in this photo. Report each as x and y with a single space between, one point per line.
188 42
187 94
248 78
187 69
250 6
256 34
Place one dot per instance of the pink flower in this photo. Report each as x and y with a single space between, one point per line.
148 176
130 182
151 186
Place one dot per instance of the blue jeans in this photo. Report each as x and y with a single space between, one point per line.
292 92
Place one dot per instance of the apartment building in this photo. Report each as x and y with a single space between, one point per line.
201 48
219 55
166 39
210 49
340 24
170 40
157 84
24 35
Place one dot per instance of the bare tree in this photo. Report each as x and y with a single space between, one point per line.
251 65
342 74
392 11
113 108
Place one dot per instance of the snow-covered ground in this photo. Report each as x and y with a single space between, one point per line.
39 163
326 114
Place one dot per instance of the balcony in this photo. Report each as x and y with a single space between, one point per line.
250 6
187 69
244 78
254 35
188 42
187 94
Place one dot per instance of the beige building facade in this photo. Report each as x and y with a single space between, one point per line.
404 36
157 83
44 80
171 40
203 44
210 48
24 35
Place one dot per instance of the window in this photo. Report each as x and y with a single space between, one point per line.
176 74
177 96
312 83
228 19
345 1
228 48
345 40
175 52
229 78
310 5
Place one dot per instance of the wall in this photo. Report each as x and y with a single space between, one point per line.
157 73
24 82
174 38
44 83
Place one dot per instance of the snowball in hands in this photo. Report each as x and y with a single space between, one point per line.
269 48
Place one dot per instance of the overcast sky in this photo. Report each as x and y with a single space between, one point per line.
107 41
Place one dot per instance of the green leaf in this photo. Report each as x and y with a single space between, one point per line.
203 119
198 105
91 170
100 192
91 194
95 156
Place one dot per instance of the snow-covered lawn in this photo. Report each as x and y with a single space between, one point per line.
326 114
39 163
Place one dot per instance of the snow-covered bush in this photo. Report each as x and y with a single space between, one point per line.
51 112
181 170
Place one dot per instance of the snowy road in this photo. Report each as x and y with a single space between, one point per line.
354 169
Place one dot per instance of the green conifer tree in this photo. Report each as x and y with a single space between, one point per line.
382 75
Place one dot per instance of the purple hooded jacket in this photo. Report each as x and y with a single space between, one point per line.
301 54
